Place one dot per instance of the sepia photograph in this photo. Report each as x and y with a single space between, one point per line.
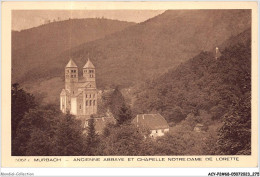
174 82
143 83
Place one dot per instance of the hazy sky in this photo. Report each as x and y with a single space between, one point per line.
24 19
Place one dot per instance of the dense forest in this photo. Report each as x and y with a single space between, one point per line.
209 91
215 93
39 130
201 83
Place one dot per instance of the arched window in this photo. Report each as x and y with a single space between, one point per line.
94 102
86 102
90 102
80 106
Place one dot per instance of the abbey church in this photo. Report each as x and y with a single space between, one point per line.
80 99
80 94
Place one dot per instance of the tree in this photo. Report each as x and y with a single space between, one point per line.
22 102
235 135
39 144
36 131
92 140
174 114
169 145
124 115
123 140
68 138
115 102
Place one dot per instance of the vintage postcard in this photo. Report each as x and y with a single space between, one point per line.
129 84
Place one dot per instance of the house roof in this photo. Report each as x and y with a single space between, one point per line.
151 121
89 64
71 64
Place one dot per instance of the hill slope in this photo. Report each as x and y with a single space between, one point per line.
202 83
150 48
33 47
144 50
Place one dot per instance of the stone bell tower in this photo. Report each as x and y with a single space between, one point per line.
90 99
71 77
89 71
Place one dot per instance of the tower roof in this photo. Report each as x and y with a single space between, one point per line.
71 64
89 64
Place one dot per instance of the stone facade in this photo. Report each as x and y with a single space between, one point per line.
80 94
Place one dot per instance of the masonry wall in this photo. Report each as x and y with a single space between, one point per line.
73 109
91 102
80 105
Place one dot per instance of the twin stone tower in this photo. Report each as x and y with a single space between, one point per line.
80 94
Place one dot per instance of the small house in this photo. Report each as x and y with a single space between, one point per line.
156 123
